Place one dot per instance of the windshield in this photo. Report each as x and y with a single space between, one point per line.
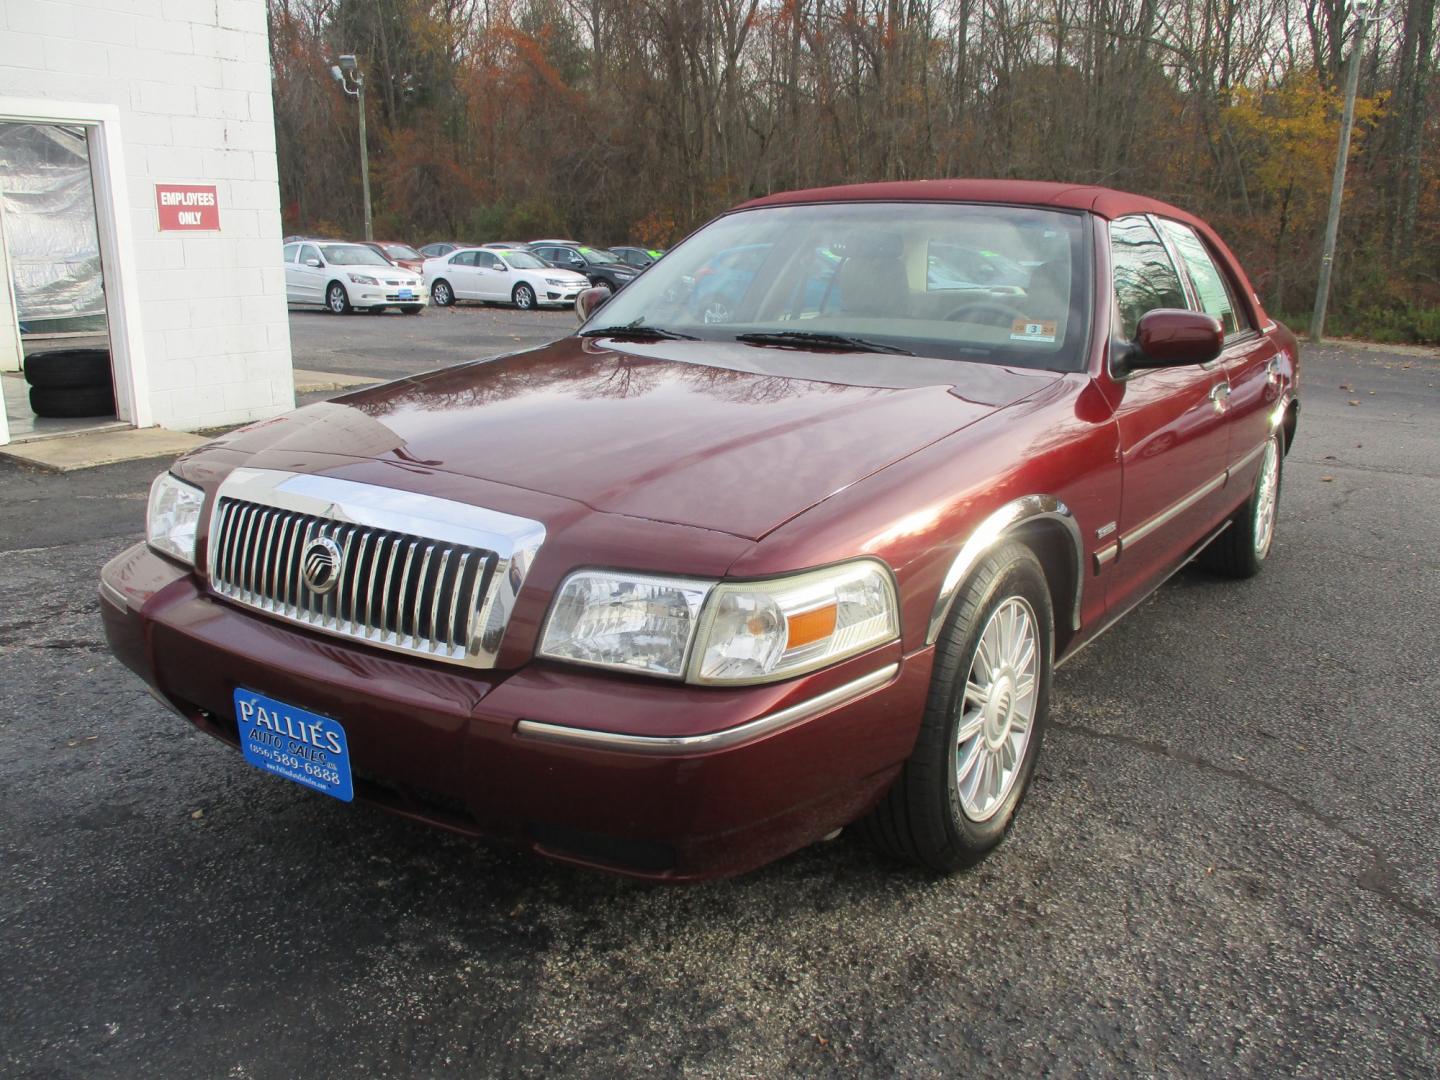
599 254
352 255
999 284
401 251
523 260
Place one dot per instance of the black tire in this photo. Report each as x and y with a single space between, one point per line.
921 818
523 297
72 401
1240 551
59 368
337 300
441 294
412 309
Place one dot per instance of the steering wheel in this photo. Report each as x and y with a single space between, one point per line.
985 312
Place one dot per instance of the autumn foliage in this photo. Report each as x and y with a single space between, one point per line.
635 120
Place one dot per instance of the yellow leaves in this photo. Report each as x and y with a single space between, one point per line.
1288 134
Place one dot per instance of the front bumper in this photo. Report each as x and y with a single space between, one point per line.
541 756
365 296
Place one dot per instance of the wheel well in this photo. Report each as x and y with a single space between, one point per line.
332 283
1055 548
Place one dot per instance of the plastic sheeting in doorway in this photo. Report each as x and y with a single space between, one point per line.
48 200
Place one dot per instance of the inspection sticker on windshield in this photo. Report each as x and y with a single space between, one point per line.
294 743
1033 330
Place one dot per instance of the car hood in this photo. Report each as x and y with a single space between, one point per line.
719 436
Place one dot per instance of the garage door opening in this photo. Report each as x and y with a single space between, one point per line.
55 344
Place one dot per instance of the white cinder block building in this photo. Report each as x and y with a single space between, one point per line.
170 101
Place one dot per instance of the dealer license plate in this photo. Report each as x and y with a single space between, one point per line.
294 743
406 294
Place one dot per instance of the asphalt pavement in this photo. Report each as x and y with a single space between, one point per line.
1229 863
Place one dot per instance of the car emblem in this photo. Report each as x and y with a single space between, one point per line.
320 565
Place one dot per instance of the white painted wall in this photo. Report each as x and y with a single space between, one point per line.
190 81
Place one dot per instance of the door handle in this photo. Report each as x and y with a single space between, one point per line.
1220 396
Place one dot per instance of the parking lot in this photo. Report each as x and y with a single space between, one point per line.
1229 864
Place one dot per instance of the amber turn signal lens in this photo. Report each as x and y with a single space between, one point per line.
810 626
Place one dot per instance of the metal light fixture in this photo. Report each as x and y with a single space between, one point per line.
1366 12
346 71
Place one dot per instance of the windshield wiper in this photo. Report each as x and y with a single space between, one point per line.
634 330
801 338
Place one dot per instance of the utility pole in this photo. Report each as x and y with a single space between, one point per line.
352 80
1365 11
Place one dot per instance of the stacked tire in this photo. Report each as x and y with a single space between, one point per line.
69 383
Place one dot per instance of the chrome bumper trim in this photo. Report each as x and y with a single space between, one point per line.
113 595
715 740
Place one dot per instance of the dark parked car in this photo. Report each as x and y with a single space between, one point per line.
442 247
675 596
637 257
602 267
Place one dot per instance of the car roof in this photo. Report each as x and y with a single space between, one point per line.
1106 202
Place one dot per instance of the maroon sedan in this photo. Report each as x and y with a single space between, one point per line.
400 254
702 584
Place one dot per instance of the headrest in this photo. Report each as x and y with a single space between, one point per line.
870 244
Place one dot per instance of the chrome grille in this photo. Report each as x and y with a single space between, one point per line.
408 579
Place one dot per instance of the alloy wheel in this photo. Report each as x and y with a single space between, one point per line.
1267 499
337 299
997 709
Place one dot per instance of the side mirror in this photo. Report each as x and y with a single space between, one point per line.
589 301
313 262
1169 337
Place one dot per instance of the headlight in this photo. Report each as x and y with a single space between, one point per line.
363 279
722 633
629 622
556 281
762 631
172 516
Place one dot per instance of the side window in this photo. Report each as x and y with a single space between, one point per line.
1213 291
571 257
487 261
546 253
308 252
464 258
1145 278
290 252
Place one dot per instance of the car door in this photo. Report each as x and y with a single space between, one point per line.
310 277
1251 360
290 254
460 272
1171 425
490 277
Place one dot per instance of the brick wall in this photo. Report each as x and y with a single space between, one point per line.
191 79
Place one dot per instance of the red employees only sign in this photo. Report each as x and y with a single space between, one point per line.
187 206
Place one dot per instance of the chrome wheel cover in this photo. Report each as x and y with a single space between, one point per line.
997 709
441 294
337 299
524 298
1267 498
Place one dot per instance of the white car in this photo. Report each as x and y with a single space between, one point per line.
342 277
514 277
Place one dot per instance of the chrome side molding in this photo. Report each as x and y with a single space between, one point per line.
990 532
715 740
